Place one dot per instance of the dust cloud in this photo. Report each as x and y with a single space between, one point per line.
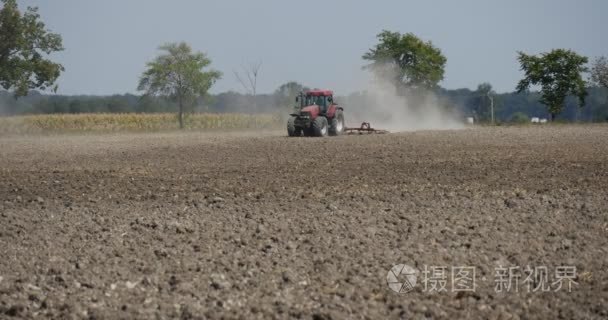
4 110
384 107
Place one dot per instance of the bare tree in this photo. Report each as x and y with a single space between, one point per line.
599 72
249 78
485 91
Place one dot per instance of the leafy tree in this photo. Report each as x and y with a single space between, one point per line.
599 72
558 73
465 101
24 43
179 75
407 60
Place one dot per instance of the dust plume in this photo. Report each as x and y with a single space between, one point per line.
385 108
4 110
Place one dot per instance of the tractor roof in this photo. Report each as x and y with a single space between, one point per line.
317 92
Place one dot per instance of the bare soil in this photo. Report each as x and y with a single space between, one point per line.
258 225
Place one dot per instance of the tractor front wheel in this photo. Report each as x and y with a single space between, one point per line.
337 124
319 126
292 130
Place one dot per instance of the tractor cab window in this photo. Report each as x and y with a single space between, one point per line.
318 100
321 101
310 100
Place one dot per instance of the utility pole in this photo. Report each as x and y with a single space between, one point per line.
491 106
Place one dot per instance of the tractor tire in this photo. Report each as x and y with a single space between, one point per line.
292 130
308 132
337 124
320 127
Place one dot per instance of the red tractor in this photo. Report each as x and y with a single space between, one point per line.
316 115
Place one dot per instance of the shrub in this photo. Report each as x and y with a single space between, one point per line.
520 117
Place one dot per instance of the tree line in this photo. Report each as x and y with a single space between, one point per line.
508 107
179 79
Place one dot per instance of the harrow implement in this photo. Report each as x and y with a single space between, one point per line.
365 128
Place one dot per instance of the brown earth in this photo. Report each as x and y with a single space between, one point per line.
263 226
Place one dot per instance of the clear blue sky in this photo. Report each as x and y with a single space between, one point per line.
318 43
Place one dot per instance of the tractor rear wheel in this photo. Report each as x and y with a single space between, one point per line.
319 126
292 130
337 124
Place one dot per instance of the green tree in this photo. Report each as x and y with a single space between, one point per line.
178 74
558 73
24 43
599 72
407 60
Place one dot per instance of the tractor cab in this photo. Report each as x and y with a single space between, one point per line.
321 98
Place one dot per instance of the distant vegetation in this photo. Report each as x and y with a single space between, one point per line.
133 122
506 105
467 102
519 117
